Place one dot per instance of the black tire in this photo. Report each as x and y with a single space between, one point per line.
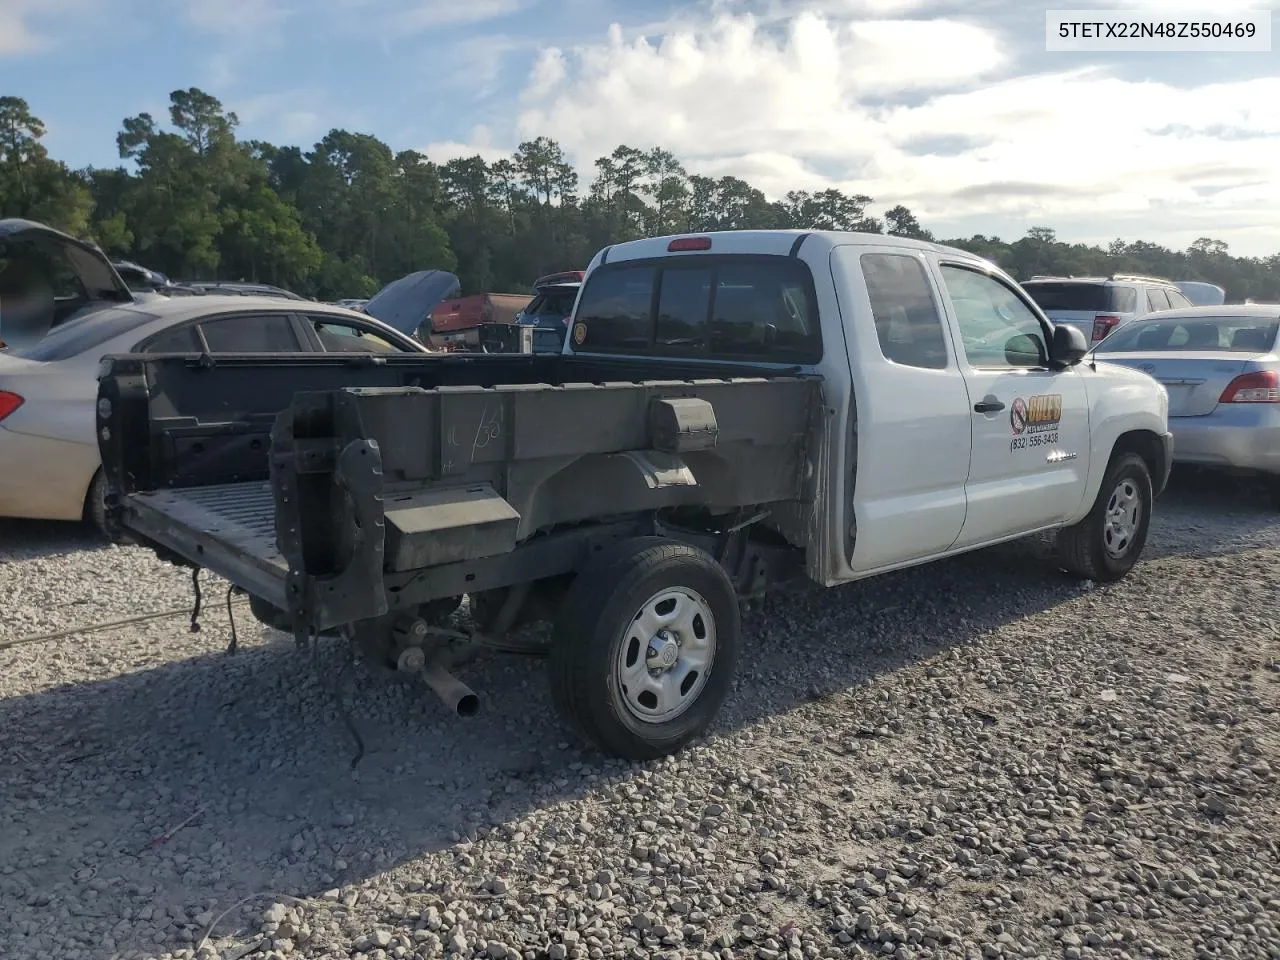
95 513
590 632
269 616
1083 549
95 505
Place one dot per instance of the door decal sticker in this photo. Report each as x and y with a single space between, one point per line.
1034 421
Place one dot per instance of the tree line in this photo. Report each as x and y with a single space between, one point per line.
349 215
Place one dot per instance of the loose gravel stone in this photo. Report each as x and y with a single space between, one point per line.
920 765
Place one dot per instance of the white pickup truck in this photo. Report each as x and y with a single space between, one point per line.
729 411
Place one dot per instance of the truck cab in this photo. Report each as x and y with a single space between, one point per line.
958 415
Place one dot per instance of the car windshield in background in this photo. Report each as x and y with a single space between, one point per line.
1087 297
1187 335
84 333
557 302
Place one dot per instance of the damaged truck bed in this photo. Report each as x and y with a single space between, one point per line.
367 496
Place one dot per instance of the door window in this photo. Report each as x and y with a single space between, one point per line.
175 340
251 333
998 330
906 317
339 336
1157 300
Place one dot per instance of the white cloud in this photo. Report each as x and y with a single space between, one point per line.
299 117
478 143
236 18
548 72
18 35
436 14
921 112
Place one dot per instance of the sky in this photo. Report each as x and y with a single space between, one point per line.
952 107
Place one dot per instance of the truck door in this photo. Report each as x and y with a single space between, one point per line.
913 430
1030 456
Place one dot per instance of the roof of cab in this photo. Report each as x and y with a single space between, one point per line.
769 242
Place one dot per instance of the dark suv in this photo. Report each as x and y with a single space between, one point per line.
549 311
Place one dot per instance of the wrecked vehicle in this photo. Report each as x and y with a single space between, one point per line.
730 413
406 304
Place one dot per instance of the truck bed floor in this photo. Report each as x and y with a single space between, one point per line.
224 527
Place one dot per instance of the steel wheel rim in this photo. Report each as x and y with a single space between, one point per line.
665 656
1121 519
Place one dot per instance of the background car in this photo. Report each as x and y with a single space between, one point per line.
241 289
550 309
406 304
1221 369
147 284
1202 294
1096 306
48 390
48 277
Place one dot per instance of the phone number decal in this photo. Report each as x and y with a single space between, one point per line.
1033 440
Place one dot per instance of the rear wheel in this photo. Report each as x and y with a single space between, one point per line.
1106 544
95 504
644 648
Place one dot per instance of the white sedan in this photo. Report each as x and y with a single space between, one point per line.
49 452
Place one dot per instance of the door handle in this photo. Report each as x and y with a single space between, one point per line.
989 405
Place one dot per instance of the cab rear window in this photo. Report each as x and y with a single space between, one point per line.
758 308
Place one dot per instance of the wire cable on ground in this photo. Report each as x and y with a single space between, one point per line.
106 625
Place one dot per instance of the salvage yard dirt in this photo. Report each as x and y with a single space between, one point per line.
979 758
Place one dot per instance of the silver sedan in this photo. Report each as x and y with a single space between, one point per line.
1221 368
49 463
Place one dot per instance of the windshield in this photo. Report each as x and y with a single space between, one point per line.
1189 334
558 302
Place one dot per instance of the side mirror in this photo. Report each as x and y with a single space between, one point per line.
1069 345
1024 351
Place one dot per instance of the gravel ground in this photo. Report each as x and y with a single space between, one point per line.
974 759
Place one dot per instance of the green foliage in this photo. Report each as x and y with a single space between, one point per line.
350 215
32 185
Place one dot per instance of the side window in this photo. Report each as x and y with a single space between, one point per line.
1124 299
251 333
997 329
1176 300
339 336
176 340
1156 299
684 300
902 305
615 311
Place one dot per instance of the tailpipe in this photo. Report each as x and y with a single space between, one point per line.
455 694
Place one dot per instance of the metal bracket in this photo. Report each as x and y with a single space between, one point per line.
320 602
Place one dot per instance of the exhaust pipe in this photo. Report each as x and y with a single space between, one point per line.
455 694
